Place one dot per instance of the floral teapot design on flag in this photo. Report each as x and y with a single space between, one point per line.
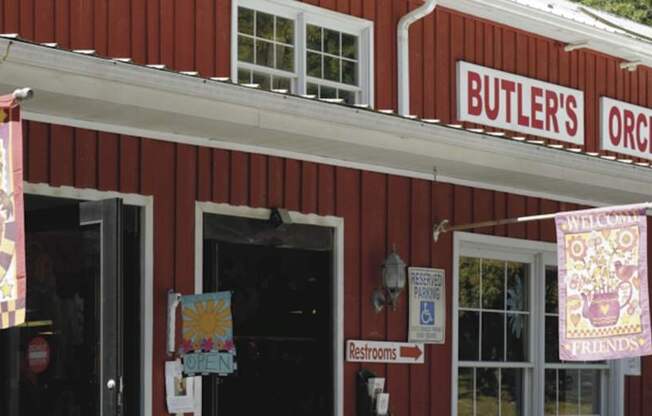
603 284
604 291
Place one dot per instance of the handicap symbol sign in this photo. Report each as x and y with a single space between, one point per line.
427 314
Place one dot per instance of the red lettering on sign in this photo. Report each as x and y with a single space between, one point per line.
641 141
571 112
492 113
552 105
537 107
523 120
509 87
614 136
629 130
475 99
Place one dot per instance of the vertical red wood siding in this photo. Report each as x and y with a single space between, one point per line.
379 210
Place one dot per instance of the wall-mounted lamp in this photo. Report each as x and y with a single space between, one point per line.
393 282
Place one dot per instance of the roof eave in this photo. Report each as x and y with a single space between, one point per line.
556 27
102 94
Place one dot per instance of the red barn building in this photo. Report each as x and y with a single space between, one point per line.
195 120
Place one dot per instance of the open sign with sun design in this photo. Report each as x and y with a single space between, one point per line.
207 323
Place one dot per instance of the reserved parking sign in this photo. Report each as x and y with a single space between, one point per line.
427 305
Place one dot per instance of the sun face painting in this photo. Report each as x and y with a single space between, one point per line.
207 323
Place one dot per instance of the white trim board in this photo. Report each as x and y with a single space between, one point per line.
147 269
378 168
337 224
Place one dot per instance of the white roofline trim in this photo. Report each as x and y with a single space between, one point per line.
131 99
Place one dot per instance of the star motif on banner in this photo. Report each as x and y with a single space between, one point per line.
6 289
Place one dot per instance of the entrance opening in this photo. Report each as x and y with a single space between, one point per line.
53 364
281 279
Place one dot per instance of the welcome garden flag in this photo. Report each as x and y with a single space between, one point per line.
12 235
603 290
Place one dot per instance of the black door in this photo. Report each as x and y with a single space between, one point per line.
104 218
67 358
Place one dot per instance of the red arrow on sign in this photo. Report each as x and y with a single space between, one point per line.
411 352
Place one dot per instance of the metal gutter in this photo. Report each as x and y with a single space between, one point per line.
403 52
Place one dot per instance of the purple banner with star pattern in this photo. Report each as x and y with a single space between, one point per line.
603 290
12 234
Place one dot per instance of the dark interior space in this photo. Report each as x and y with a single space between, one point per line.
281 280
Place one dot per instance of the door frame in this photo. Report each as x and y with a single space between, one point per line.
146 203
337 224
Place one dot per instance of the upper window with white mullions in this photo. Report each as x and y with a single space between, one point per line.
291 46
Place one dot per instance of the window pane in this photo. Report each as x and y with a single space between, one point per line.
264 53
493 284
552 340
349 72
314 65
245 49
347 96
245 21
281 83
331 68
568 392
328 92
284 30
244 76
469 282
312 89
518 287
263 80
590 392
264 25
492 337
511 392
517 337
465 392
285 58
349 46
313 37
551 289
550 392
487 393
469 336
332 42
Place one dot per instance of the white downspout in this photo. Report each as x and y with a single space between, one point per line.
403 52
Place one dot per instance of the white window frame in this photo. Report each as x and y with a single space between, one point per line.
303 14
337 226
539 255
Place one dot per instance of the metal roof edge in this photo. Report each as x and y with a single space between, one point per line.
553 26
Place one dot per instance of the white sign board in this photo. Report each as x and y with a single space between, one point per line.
384 352
427 305
512 102
632 366
625 128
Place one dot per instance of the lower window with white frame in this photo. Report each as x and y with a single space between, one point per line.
506 359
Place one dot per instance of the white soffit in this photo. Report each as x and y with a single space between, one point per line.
103 94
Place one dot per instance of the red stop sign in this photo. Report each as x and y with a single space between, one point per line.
38 355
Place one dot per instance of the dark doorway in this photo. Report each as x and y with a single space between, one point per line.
282 283
60 360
